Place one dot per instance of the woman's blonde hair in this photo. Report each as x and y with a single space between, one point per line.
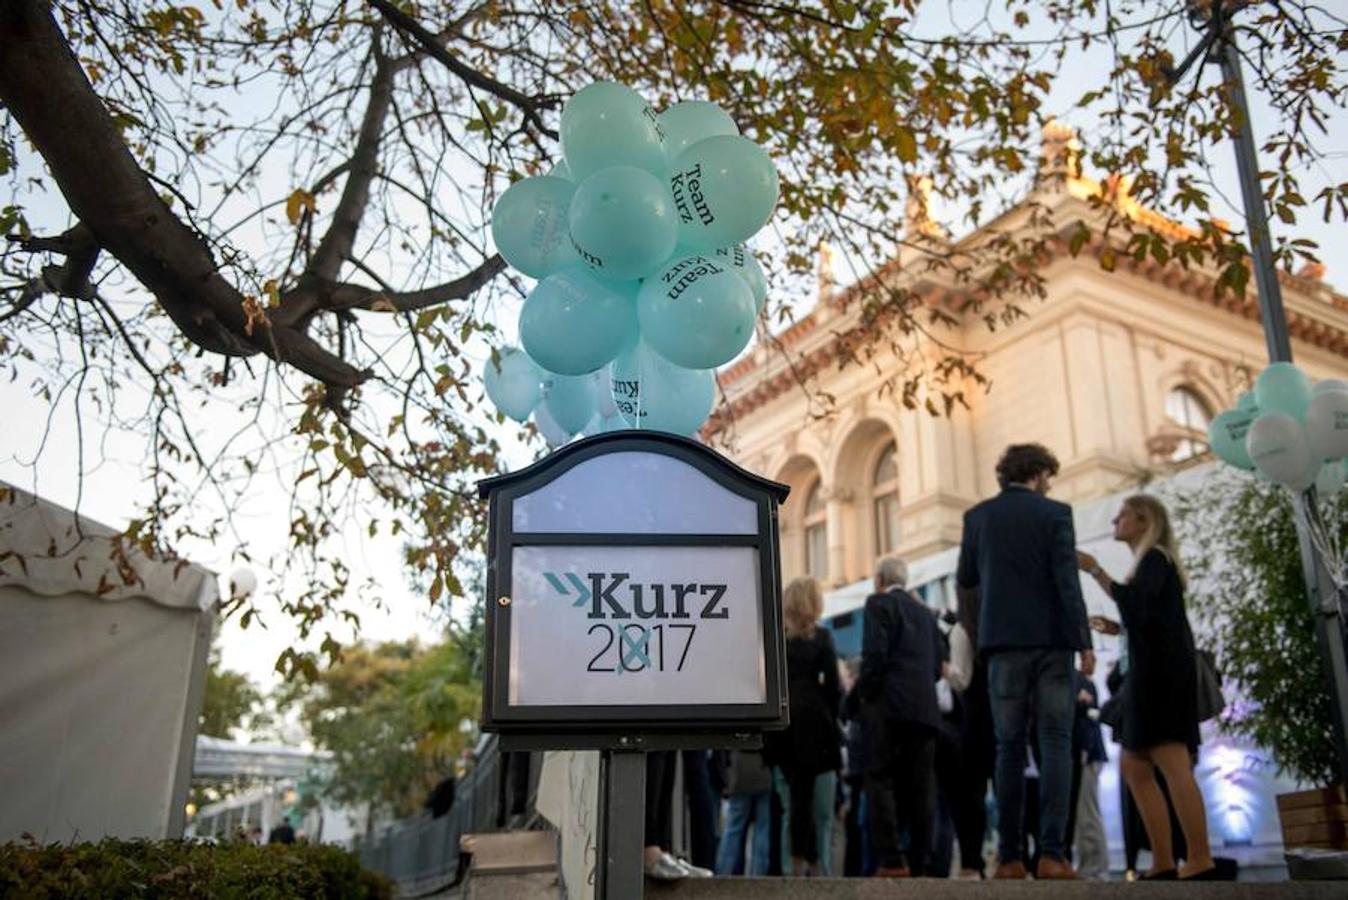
1157 532
802 605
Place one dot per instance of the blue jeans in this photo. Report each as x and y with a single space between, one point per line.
1017 679
825 799
741 810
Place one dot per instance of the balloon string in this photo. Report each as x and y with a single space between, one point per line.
1327 543
641 379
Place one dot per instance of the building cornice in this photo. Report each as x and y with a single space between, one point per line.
826 335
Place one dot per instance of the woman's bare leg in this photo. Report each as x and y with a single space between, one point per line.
1140 776
1174 762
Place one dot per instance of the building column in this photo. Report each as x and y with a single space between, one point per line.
836 506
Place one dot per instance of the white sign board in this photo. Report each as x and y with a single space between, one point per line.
648 625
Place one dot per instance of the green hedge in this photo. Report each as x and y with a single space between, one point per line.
168 870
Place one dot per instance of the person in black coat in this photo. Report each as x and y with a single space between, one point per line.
811 746
901 660
1018 552
1159 729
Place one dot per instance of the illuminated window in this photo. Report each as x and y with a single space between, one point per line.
1186 409
885 501
816 533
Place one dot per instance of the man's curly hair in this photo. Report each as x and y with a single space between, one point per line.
1022 463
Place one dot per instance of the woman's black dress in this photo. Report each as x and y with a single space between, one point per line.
812 744
1160 704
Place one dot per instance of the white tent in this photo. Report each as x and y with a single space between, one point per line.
102 667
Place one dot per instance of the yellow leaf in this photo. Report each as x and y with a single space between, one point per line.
905 144
273 293
299 200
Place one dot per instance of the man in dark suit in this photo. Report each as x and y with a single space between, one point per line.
283 833
1019 552
901 660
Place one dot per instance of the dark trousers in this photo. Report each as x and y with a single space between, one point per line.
854 854
513 800
804 843
702 808
900 788
660 799
1017 679
977 756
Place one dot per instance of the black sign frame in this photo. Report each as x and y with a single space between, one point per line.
586 726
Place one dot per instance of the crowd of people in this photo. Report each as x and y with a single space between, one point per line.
886 765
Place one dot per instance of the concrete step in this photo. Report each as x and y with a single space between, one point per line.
942 889
512 865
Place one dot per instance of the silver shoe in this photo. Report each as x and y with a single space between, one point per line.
666 868
691 870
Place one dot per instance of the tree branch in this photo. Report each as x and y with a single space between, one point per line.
47 91
341 234
354 296
529 106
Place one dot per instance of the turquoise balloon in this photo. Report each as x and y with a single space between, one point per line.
1247 401
570 401
531 228
573 323
622 223
724 189
553 434
513 383
1226 436
696 313
653 393
742 262
559 170
1283 388
606 124
690 121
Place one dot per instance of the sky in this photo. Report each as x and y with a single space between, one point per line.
113 479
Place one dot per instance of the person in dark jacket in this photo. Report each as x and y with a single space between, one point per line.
901 661
1018 550
283 833
810 749
1160 706
441 798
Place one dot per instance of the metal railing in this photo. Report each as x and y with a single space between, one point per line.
421 854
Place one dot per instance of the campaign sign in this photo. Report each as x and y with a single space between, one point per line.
633 586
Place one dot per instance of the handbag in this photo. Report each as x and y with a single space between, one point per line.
1111 711
1210 699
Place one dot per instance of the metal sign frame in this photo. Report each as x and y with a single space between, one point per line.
598 726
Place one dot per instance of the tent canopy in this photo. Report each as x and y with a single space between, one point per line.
102 665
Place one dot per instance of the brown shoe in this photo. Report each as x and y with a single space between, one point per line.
1054 870
1011 870
894 872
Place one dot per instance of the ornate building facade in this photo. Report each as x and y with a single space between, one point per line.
1117 372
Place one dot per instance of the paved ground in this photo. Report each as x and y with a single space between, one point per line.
938 889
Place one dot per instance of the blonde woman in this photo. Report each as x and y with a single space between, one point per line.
1160 709
808 753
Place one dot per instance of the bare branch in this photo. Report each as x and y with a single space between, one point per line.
529 106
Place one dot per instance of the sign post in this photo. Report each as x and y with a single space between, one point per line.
633 604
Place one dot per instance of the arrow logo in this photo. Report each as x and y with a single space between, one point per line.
582 591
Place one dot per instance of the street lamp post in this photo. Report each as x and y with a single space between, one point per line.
1324 595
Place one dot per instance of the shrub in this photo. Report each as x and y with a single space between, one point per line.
1248 591
168 870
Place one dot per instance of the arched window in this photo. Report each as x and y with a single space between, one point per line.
885 501
816 533
1186 409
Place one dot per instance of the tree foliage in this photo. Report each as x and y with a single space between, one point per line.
1248 590
390 714
272 214
230 702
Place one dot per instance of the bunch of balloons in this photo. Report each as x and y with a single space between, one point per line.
1288 430
645 284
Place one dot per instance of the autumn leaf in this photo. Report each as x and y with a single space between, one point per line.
299 200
